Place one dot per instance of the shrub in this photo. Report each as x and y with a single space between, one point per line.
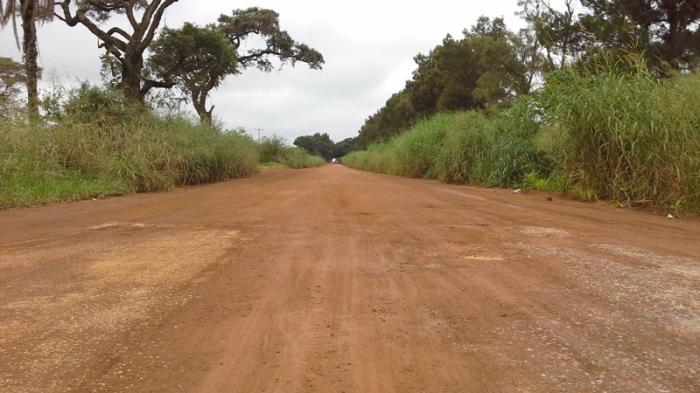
271 149
612 132
81 153
629 137
297 158
458 147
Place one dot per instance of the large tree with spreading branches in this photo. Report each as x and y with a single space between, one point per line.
199 58
126 48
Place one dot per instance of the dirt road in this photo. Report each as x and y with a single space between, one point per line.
334 280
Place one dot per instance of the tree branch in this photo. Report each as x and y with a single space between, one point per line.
117 30
81 18
149 84
130 15
154 23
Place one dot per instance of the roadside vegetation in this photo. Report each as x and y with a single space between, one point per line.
275 153
98 144
130 134
321 145
630 138
545 108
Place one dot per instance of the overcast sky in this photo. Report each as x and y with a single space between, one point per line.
368 47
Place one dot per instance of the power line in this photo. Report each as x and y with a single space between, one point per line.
259 130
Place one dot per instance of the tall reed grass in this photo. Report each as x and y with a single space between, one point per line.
630 138
274 150
107 148
622 136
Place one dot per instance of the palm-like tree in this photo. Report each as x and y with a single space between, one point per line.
30 11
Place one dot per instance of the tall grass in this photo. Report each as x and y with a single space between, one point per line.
462 147
622 136
630 138
273 150
297 158
114 150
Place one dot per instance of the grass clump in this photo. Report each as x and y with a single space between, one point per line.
97 145
554 183
271 149
629 138
460 147
297 158
616 134
274 153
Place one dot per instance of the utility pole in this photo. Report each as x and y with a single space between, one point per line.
259 130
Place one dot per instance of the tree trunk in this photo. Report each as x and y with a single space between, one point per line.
132 67
199 100
30 58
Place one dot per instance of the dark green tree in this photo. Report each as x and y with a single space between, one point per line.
344 147
318 144
197 59
666 30
395 116
488 67
278 45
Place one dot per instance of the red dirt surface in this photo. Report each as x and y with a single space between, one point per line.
334 280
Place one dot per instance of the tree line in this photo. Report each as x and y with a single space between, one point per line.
490 66
193 59
322 145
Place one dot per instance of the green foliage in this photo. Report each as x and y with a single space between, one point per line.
85 154
246 23
196 58
535 181
490 67
485 69
317 144
92 104
615 135
461 147
344 147
628 137
297 158
321 145
588 195
395 117
11 76
414 152
271 149
665 31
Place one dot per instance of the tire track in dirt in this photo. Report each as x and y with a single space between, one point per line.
336 280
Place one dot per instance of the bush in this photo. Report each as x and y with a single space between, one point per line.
271 149
613 133
464 147
83 153
297 158
629 137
